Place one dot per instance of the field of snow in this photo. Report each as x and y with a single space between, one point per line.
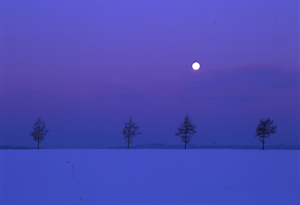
144 176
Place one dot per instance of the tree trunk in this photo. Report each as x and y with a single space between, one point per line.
38 140
128 136
263 148
185 142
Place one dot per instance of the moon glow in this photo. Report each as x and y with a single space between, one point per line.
196 66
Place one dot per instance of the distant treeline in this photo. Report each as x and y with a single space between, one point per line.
164 146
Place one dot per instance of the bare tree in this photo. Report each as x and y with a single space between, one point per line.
129 131
39 131
264 129
186 130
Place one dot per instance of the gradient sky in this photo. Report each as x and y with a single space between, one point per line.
85 66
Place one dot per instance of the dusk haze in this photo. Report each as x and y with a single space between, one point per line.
85 67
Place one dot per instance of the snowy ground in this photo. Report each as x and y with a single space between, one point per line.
149 176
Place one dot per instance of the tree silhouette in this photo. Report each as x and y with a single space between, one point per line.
186 130
264 129
39 131
130 131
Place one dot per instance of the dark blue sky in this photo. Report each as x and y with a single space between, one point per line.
85 66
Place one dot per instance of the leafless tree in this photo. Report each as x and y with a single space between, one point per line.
39 131
264 129
130 130
186 130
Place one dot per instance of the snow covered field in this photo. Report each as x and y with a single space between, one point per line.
140 176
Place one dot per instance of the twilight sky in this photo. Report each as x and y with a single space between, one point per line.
85 66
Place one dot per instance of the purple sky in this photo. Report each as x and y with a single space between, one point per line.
85 66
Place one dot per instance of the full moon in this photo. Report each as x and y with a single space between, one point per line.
196 66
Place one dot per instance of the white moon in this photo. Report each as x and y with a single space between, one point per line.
196 66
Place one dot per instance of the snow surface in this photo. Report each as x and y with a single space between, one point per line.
144 176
